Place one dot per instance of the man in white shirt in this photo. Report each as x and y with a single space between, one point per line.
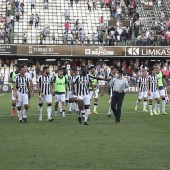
118 12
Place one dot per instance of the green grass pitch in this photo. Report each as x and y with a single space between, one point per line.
140 142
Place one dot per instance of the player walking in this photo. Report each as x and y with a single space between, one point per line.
21 90
153 92
142 90
46 89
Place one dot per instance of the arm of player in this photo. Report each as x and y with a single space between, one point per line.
31 88
126 86
149 93
52 88
103 90
92 85
137 85
15 91
39 89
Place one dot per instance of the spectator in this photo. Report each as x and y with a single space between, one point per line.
65 38
37 70
36 20
94 5
88 39
66 25
71 2
102 3
32 2
53 38
17 5
93 38
22 8
24 39
45 4
9 7
17 16
88 5
31 19
72 38
67 14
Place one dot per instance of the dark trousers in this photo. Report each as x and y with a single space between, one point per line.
116 104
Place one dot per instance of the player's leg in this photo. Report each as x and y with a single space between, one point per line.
13 103
86 101
162 94
19 104
76 103
49 107
40 106
109 112
145 95
56 100
91 97
156 96
70 102
26 106
138 100
150 103
67 99
114 102
95 103
63 98
80 106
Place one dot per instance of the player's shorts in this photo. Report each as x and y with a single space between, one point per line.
12 95
46 98
60 97
85 98
142 95
22 99
69 95
154 95
162 92
96 94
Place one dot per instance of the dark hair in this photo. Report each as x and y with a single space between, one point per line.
60 69
17 65
45 67
22 65
120 71
92 67
73 69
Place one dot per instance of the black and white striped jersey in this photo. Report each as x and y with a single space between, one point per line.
142 83
82 84
22 83
153 80
45 84
70 82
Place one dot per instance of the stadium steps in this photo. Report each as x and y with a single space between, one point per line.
55 18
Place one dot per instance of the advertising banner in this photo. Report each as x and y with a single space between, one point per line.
8 49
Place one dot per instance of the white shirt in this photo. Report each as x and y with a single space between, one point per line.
27 74
119 10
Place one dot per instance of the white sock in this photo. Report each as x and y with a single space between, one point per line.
19 114
60 106
49 110
77 107
158 108
144 104
109 112
56 111
137 102
163 105
24 113
86 114
150 108
70 105
95 106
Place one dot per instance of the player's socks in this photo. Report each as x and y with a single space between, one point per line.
13 110
70 105
83 113
137 102
109 112
86 115
77 107
144 104
95 106
163 105
19 114
63 113
49 110
25 113
150 109
40 109
55 113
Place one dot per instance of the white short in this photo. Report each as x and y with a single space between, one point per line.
60 97
22 99
46 98
69 95
142 95
85 98
12 95
154 95
162 92
96 94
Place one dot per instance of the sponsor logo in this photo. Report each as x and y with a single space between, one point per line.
156 52
5 88
133 51
40 49
98 51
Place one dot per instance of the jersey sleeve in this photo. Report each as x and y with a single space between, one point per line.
11 75
66 80
15 79
54 79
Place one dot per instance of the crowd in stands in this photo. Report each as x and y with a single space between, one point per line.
131 68
158 34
